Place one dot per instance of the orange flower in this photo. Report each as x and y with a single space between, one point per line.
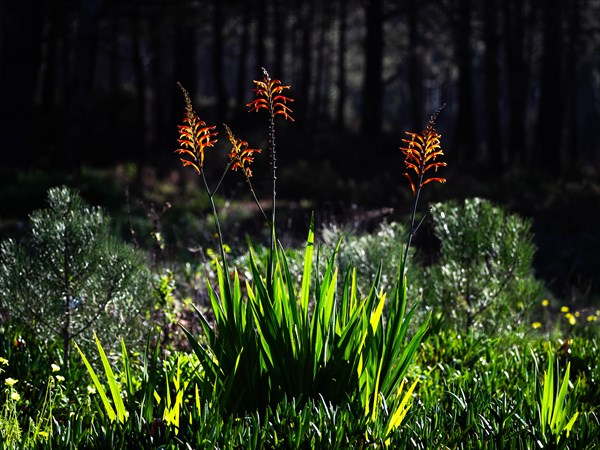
194 136
240 156
269 96
421 153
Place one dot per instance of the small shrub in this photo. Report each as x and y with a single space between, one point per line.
71 277
484 278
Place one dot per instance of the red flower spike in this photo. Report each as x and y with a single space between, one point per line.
194 136
269 96
420 155
240 156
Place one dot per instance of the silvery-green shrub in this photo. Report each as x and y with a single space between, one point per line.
70 277
484 278
366 252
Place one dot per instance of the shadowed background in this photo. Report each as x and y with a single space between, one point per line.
92 83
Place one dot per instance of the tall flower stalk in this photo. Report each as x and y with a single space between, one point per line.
195 136
269 96
421 152
240 157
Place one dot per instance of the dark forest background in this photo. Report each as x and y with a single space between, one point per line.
92 83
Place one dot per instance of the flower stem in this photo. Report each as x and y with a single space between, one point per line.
273 154
220 180
274 170
256 199
215 216
412 229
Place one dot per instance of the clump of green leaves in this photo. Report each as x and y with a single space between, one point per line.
484 278
556 412
71 277
309 341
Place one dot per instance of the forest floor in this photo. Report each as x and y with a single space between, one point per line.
564 212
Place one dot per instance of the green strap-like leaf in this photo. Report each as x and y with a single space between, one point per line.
114 387
308 262
401 410
127 369
99 388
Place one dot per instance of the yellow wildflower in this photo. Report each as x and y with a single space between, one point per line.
536 325
571 318
10 382
55 367
545 303
15 396
564 309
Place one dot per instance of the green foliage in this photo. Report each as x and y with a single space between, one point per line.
295 355
180 418
482 392
474 392
71 277
278 343
18 430
40 427
484 277
367 252
121 413
10 429
556 413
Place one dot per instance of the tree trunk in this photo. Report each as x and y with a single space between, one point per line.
372 92
81 81
492 84
49 79
164 90
306 61
261 33
113 73
517 80
415 74
341 80
550 124
142 123
572 82
217 59
465 143
317 100
184 65
279 39
242 84
21 33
